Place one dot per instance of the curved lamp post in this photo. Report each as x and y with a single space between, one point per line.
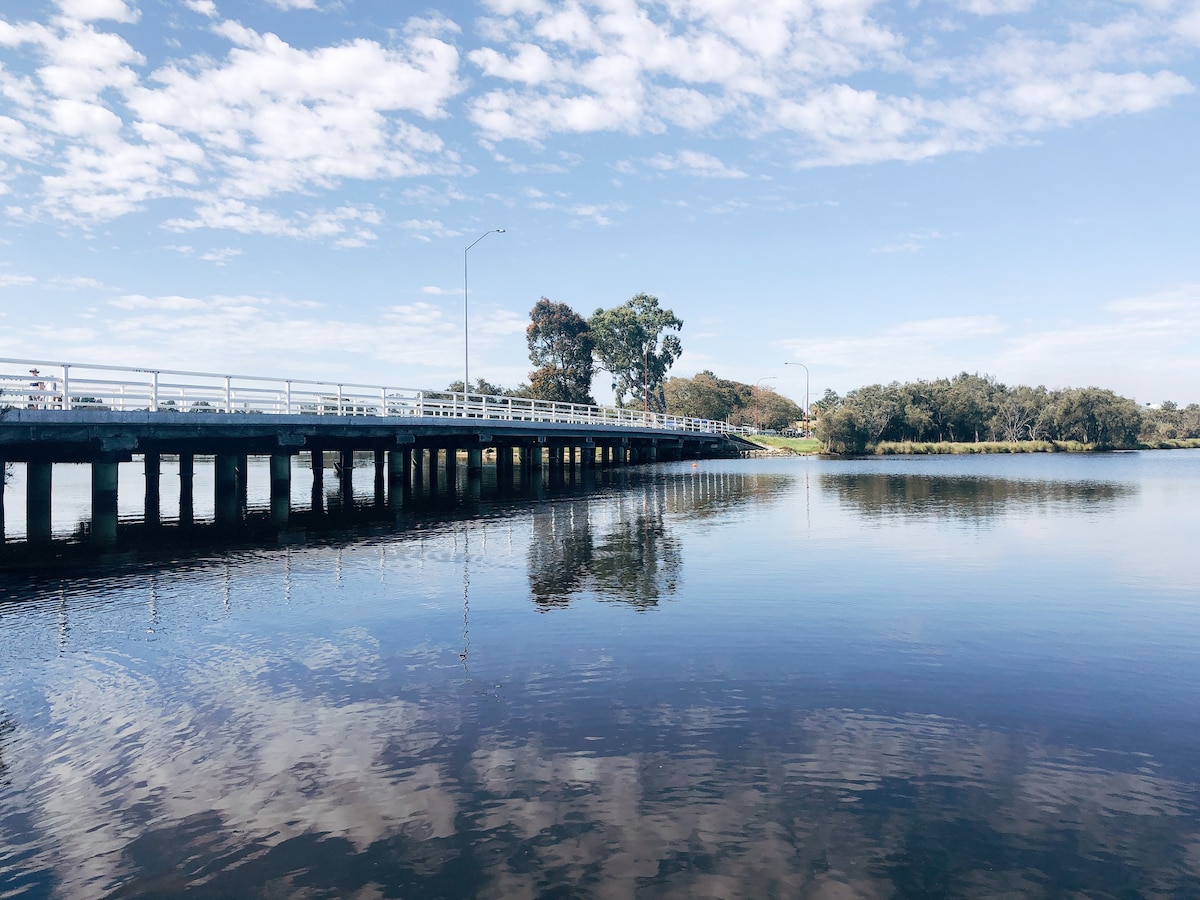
805 368
466 318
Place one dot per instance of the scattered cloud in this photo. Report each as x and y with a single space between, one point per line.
267 120
1143 343
801 71
221 256
690 162
344 223
913 242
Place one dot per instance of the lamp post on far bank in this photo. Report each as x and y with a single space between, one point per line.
805 368
466 318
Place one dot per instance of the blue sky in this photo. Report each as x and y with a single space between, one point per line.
878 190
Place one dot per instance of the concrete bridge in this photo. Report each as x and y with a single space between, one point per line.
53 412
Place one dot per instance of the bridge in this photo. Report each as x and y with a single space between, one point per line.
55 412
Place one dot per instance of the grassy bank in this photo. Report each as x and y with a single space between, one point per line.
787 445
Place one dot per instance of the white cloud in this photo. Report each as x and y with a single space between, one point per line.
850 88
203 7
10 280
92 10
995 7
221 256
236 215
269 119
691 162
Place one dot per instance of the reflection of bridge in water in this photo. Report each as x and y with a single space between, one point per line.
417 440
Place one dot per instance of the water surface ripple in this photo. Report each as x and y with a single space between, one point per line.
937 677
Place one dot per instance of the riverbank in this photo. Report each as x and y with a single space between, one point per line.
809 446
915 448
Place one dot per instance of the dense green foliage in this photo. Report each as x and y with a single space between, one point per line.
705 396
977 408
486 388
561 345
630 344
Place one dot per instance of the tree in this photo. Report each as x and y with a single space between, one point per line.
631 346
775 411
1018 413
561 345
703 396
1094 416
479 386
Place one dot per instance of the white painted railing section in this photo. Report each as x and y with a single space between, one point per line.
38 384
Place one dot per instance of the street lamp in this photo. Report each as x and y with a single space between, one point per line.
757 392
805 368
466 342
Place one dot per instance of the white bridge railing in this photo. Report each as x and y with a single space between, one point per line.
37 384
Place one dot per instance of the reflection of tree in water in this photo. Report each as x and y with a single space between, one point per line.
630 557
560 553
637 562
921 496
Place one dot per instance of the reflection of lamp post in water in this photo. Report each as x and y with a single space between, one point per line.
805 368
466 603
466 345
757 392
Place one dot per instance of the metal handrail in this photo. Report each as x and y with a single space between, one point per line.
84 386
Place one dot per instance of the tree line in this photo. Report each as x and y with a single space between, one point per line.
973 408
636 343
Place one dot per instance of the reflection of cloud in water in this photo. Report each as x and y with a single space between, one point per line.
924 496
697 800
262 767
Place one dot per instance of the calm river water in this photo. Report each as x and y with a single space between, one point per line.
906 677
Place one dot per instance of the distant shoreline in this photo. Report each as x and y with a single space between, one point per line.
812 447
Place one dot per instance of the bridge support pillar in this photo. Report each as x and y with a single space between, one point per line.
652 453
316 460
380 467
243 476
346 478
187 495
104 502
3 471
153 472
226 489
281 487
475 461
432 474
504 466
451 469
38 479
399 475
418 467
589 456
